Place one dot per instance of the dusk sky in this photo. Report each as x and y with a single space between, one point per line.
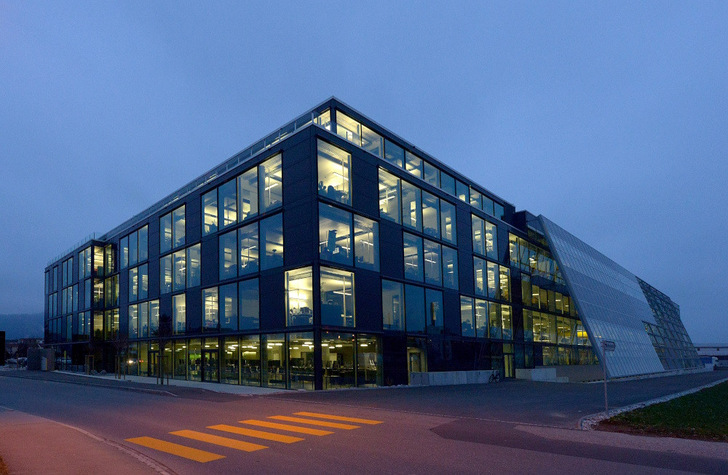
611 119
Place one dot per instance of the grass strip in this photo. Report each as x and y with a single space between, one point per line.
702 415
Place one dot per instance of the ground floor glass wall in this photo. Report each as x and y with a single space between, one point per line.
279 360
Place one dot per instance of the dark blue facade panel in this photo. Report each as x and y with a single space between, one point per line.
368 291
193 218
394 359
273 305
365 180
193 303
165 312
451 312
391 252
208 254
299 172
153 278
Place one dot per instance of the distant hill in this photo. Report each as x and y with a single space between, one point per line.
29 325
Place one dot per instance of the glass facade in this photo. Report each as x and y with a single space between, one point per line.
273 270
610 303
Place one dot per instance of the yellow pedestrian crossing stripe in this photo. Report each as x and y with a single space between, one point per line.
334 425
286 439
176 449
203 456
286 427
217 440
337 418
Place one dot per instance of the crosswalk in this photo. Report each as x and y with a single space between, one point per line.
299 423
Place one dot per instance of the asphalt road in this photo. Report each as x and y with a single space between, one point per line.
511 427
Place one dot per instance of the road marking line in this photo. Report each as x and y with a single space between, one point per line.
286 439
338 418
334 425
286 427
176 449
217 440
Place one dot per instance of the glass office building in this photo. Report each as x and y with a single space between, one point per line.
333 253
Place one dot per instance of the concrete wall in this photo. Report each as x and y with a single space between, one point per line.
562 374
443 378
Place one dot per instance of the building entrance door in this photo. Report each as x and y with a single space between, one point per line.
508 363
416 361
210 366
154 363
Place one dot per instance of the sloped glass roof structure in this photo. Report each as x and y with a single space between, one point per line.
612 305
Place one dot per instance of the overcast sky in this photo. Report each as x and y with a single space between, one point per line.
611 119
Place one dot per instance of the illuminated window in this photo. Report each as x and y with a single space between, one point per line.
430 215
228 255
209 212
507 325
480 274
193 266
432 175
248 194
494 318
154 318
358 134
389 196
481 318
348 128
172 229
179 313
372 141
432 262
228 303
335 234
366 243
210 309
413 164
165 274
133 321
337 298
133 249
179 270
178 221
447 222
334 173
463 191
449 267
411 206
249 249
227 204
413 268
143 243
467 326
299 297
133 284
124 252
393 153
392 305
476 198
270 184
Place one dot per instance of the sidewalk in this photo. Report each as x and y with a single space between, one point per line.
33 445
173 387
214 387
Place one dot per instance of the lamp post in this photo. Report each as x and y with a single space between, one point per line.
607 346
